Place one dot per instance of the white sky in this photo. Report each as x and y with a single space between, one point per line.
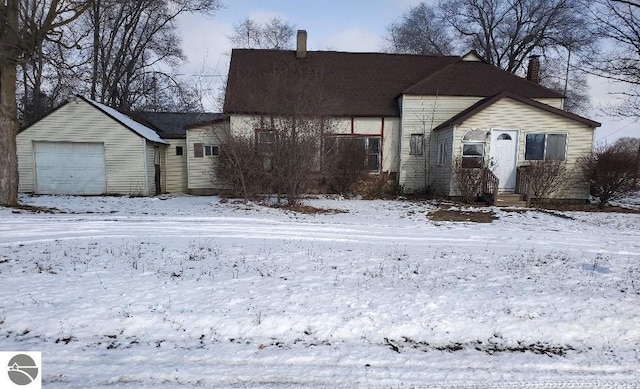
346 25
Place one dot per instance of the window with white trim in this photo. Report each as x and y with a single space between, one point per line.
473 149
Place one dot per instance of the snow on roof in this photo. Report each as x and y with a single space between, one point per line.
125 120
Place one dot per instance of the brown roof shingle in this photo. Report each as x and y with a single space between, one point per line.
361 84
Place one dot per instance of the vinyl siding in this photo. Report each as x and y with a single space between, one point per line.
511 114
556 103
175 167
79 121
442 182
201 169
420 114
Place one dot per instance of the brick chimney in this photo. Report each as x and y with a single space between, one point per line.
533 71
301 46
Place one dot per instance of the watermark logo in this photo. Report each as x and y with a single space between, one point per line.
21 370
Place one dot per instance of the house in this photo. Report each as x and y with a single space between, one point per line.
415 115
87 148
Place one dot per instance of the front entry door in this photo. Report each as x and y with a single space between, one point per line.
504 157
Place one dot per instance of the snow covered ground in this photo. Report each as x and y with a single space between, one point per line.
188 292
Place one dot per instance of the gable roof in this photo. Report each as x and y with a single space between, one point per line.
365 84
127 122
173 125
484 103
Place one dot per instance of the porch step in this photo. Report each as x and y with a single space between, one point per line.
511 200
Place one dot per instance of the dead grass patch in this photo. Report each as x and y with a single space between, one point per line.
456 215
35 209
309 210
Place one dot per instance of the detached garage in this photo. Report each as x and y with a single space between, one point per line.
86 148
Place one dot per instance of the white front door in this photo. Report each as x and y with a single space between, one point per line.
504 157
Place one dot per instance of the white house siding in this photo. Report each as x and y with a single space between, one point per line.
511 114
420 114
201 169
78 121
175 167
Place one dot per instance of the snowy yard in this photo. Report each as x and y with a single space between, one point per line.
191 292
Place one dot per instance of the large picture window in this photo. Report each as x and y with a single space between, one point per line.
370 149
545 146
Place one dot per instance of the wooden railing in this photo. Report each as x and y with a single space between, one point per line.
523 184
490 186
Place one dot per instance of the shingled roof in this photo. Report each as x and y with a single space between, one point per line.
173 125
364 84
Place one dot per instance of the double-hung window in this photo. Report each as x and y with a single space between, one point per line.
416 144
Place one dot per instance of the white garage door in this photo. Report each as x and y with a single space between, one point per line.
70 168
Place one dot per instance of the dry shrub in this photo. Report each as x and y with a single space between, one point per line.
610 171
546 177
468 181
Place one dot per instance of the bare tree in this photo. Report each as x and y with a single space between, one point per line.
275 34
22 34
505 33
618 24
133 47
421 31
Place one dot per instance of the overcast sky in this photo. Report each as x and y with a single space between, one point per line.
341 25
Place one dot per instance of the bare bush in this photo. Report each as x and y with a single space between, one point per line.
345 163
468 181
546 177
241 167
610 172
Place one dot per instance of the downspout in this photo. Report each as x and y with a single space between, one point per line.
146 167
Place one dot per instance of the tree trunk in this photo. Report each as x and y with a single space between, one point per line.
8 132
8 107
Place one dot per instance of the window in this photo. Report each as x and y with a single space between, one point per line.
442 154
472 155
210 150
373 154
265 139
473 149
362 149
200 150
545 146
416 144
179 150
